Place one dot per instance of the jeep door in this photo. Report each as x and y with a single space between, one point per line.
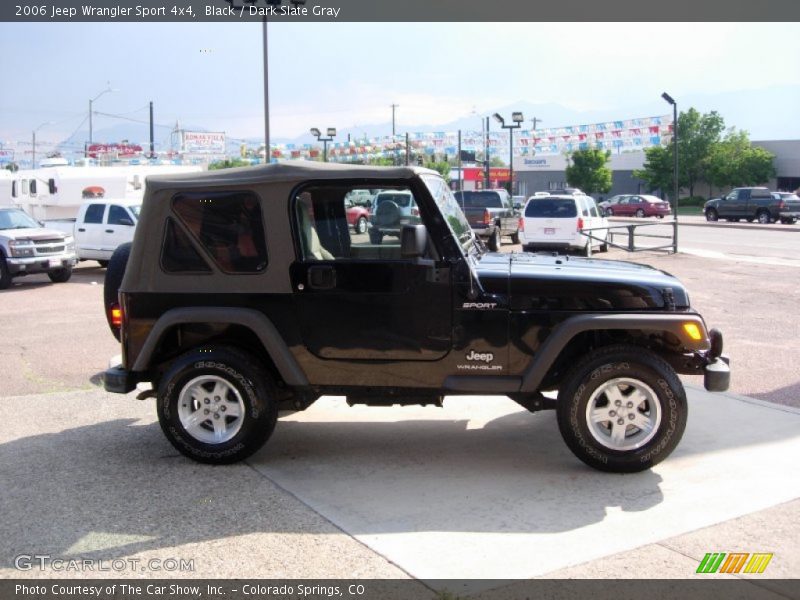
358 300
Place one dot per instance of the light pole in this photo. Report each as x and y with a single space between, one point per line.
517 119
91 101
331 134
34 140
675 189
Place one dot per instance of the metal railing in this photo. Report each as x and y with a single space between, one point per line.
630 235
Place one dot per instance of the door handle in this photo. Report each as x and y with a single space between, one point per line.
81 229
322 277
109 231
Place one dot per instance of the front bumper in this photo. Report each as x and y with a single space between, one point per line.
717 375
40 264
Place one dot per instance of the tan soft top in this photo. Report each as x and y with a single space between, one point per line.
294 171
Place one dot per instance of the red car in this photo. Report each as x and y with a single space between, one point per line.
357 216
639 206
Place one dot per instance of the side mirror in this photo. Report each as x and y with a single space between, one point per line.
517 205
126 221
413 241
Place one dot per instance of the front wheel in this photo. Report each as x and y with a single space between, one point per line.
5 274
60 275
217 405
622 409
711 215
640 213
361 225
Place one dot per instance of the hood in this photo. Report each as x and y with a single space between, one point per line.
36 235
545 281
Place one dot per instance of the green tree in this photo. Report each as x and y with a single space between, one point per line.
734 162
697 135
228 163
588 171
443 167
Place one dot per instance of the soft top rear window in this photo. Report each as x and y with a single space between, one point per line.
402 200
551 208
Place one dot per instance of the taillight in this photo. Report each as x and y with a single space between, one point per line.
781 205
487 217
116 315
415 212
521 224
580 224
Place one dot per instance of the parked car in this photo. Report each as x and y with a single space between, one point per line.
360 198
634 205
391 210
357 215
491 215
224 350
749 203
613 201
788 207
26 247
558 223
100 227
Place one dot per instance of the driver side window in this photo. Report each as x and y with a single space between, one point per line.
338 222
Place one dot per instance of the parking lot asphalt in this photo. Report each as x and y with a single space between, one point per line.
394 493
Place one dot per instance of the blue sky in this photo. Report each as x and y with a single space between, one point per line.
347 74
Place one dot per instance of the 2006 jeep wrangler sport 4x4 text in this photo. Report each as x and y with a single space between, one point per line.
245 293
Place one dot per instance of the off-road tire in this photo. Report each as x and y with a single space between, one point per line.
245 383
60 275
712 215
613 367
5 274
115 271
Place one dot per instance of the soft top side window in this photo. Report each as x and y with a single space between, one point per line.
228 226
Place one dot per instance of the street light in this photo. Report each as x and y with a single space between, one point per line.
105 91
675 191
331 133
34 140
517 119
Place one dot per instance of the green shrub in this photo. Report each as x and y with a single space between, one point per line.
692 201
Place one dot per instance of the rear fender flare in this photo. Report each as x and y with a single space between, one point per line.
259 324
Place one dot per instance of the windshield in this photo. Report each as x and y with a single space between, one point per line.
135 210
16 219
551 208
450 210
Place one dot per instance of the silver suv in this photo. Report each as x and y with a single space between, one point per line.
391 209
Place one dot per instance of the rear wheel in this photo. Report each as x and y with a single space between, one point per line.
515 237
711 215
375 236
103 263
763 217
609 212
217 405
622 409
60 275
789 221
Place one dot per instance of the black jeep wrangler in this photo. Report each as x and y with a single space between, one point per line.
245 293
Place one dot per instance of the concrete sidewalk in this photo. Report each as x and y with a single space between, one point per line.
478 489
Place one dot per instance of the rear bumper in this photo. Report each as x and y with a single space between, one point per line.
119 381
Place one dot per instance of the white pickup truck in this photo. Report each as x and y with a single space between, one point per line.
100 227
26 247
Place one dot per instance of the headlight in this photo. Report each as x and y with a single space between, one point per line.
21 248
70 242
